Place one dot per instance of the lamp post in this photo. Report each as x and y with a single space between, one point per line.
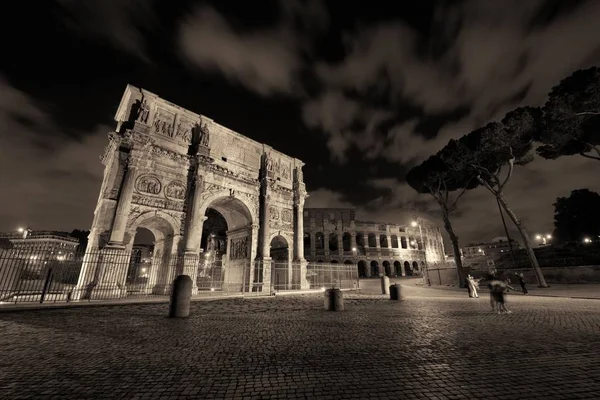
543 239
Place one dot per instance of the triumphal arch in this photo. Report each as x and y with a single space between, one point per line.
168 170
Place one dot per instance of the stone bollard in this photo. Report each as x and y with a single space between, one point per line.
396 292
334 300
181 295
385 285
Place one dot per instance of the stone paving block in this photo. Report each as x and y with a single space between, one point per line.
289 348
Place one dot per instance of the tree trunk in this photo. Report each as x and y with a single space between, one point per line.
455 248
530 254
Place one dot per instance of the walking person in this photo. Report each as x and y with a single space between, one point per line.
468 286
473 285
522 282
498 290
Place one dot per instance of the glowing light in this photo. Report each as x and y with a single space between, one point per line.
414 223
20 230
143 270
587 240
538 237
212 289
322 289
548 236
354 249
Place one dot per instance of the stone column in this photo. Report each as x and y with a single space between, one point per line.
123 204
313 245
264 257
353 242
299 256
326 245
341 244
193 232
366 240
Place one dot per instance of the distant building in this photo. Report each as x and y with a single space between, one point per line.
39 247
484 255
333 235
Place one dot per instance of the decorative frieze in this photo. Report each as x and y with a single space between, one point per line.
149 184
158 202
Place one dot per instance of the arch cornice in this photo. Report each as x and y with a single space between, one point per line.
145 216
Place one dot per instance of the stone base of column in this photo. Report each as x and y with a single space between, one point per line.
191 263
262 282
304 283
113 264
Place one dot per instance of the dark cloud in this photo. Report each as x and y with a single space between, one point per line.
53 179
265 60
119 22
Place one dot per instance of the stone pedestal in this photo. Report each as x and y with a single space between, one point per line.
334 300
113 265
179 306
304 283
191 262
385 285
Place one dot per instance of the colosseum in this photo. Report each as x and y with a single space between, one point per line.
332 235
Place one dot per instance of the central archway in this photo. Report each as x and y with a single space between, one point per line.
226 246
281 273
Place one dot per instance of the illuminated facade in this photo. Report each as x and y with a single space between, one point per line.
333 235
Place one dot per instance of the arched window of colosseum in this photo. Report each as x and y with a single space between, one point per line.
347 241
307 240
333 241
419 244
319 241
394 242
372 240
360 239
415 265
412 242
374 268
383 242
403 242
398 268
407 268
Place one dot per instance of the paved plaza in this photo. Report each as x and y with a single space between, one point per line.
434 345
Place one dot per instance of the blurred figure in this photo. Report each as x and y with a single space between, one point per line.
473 285
467 285
522 282
498 290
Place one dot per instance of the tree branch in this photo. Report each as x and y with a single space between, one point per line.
511 167
487 186
588 113
588 156
463 191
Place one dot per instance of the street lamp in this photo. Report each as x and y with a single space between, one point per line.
587 240
543 238
24 231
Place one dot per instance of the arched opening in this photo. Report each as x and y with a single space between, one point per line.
403 242
348 262
362 269
226 247
335 262
372 240
333 242
360 243
383 242
319 241
374 268
415 266
398 268
140 262
387 268
412 242
407 269
281 273
394 242
419 244
152 264
347 241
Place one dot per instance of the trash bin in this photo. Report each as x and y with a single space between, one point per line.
385 285
334 300
396 292
181 296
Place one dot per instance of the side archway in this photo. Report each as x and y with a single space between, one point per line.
374 268
362 269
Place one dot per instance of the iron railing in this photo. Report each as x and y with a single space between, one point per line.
48 275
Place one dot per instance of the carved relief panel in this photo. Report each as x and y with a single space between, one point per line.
239 248
148 184
163 123
278 167
175 191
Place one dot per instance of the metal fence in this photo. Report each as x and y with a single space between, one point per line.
48 275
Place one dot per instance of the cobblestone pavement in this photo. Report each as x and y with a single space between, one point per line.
433 345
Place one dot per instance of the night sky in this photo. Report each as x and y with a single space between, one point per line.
360 91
